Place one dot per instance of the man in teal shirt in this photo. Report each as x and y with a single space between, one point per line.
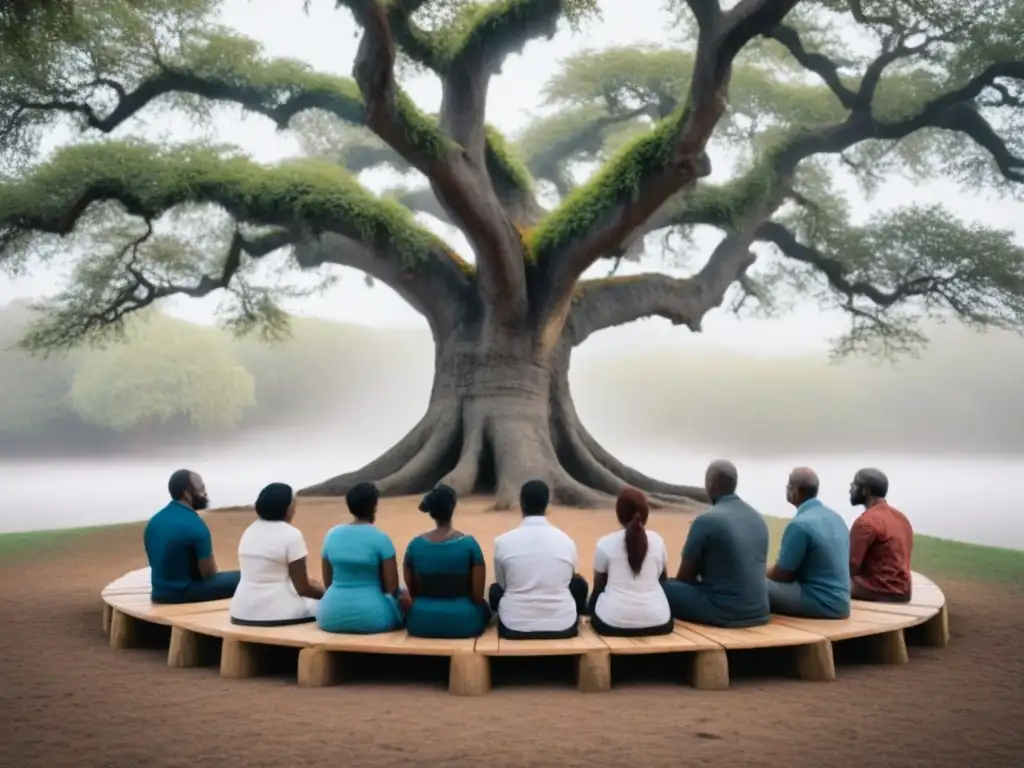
811 577
180 549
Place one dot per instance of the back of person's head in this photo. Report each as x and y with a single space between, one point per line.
534 497
180 484
632 510
874 482
275 502
439 503
802 486
721 479
362 501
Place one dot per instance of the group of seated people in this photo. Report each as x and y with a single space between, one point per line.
723 579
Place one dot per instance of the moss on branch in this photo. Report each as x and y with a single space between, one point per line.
150 180
620 179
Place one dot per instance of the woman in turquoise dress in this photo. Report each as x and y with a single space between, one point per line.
360 572
445 574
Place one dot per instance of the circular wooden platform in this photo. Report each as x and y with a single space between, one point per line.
202 632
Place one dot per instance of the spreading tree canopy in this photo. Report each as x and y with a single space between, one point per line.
791 96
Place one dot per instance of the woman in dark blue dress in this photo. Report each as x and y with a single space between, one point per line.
445 575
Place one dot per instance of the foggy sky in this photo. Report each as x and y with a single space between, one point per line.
327 39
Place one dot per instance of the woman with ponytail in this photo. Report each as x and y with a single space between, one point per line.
629 566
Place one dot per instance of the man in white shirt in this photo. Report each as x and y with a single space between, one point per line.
537 595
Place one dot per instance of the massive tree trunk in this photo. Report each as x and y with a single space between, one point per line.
498 416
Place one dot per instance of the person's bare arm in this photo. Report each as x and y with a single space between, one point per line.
693 551
208 567
328 573
600 582
477 582
664 574
410 576
389 575
300 579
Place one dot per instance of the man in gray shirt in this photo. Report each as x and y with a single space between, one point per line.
721 580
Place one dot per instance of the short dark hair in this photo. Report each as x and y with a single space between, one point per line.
362 500
534 497
440 503
874 482
180 483
274 501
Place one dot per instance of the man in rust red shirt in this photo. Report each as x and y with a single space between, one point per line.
881 542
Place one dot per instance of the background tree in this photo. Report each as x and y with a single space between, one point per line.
932 88
169 370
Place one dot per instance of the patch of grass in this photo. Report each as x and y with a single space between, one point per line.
935 557
17 546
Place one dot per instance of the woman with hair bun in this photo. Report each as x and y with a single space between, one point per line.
629 566
275 588
445 575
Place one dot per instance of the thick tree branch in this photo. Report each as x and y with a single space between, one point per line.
391 246
814 62
600 216
460 184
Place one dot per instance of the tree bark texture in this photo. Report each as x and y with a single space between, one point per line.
497 417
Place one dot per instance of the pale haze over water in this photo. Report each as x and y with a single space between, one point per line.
970 498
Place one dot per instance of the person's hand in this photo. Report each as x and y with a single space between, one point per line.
404 599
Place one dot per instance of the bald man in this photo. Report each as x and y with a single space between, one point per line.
811 576
721 577
881 542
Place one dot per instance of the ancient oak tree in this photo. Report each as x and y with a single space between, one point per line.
792 97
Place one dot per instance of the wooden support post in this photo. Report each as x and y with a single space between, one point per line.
594 671
238 659
890 647
318 668
187 649
814 662
935 631
710 670
125 631
469 674
108 613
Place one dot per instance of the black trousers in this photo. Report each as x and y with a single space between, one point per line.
578 588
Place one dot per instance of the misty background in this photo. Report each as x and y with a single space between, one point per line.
90 438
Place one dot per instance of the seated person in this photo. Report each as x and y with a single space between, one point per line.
275 589
180 549
537 595
721 579
361 594
445 575
881 543
811 576
629 566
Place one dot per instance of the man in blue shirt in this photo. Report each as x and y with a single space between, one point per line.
811 577
180 549
721 577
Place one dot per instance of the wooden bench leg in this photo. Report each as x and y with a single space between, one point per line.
594 671
107 615
815 662
935 631
318 668
124 631
710 670
469 674
238 659
890 648
187 649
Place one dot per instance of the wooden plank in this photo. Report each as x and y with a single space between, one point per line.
860 624
700 642
922 612
593 640
219 625
140 607
487 643
430 646
570 646
771 635
671 643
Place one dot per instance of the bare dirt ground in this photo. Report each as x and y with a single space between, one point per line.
67 700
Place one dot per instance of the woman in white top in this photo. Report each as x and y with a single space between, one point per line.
274 588
629 566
